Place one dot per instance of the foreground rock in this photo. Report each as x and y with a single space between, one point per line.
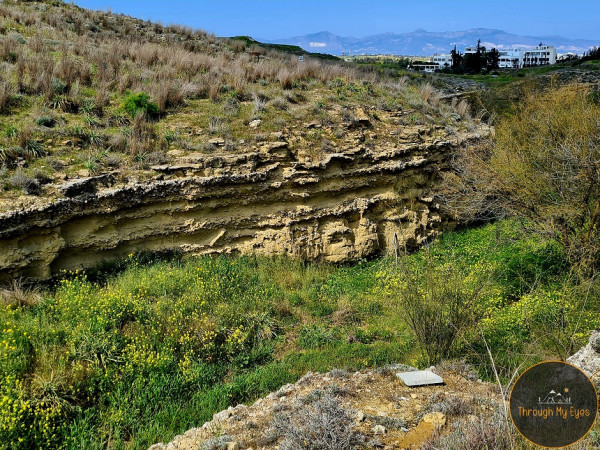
588 358
275 199
367 408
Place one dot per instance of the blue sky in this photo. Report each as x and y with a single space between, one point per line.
271 19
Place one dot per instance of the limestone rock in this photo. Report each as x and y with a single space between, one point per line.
255 123
588 357
437 419
340 207
379 429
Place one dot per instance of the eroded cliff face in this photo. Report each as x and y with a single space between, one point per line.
274 200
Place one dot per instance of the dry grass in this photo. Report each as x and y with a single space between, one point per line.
17 295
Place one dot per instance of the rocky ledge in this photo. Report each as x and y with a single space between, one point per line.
365 409
342 205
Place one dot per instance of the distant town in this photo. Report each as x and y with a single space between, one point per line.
475 59
478 58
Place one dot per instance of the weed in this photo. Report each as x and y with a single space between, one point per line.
134 104
317 336
28 184
322 424
45 121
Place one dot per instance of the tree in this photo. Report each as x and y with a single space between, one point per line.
492 59
456 57
543 168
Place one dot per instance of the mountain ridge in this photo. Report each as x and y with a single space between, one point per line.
421 42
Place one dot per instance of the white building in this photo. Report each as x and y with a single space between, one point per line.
517 58
510 59
443 61
541 55
430 68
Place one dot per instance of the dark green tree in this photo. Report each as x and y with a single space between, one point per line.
492 59
457 58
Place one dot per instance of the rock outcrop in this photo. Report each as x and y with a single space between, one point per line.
588 357
339 206
374 405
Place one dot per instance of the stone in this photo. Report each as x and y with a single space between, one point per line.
219 142
359 416
379 429
588 357
343 224
437 419
233 446
255 123
420 378
223 415
88 185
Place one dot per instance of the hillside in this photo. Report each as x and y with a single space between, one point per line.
191 224
122 135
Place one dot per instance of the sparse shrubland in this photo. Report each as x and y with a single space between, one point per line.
74 81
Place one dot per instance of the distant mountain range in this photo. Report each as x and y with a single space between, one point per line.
425 43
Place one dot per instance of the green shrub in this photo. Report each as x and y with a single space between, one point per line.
317 336
45 121
135 104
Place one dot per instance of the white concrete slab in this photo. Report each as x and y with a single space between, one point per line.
420 378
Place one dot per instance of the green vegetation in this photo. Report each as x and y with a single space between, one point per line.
138 103
141 355
283 48
542 166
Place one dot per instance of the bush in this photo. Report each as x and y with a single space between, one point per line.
542 167
317 336
135 104
437 302
45 121
494 432
322 424
28 184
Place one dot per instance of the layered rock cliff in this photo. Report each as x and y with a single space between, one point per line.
339 206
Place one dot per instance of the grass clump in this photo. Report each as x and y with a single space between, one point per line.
136 103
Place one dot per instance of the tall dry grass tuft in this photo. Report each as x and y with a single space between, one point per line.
7 90
17 295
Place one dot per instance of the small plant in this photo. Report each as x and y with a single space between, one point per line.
317 336
260 104
215 124
171 136
321 424
28 184
8 155
45 121
113 160
11 131
59 87
92 164
33 149
135 104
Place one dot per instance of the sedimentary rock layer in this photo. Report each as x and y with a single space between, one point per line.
344 206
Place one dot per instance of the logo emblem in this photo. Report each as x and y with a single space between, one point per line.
553 404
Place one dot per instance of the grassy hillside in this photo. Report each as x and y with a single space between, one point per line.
141 355
84 93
